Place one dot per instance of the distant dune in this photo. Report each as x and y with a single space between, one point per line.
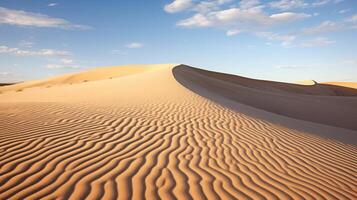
343 84
176 132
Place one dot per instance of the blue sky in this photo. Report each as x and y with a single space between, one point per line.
283 40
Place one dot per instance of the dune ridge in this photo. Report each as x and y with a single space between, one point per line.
146 136
325 104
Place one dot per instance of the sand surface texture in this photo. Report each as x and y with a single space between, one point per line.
142 135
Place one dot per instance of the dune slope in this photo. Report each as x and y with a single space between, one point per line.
145 136
343 84
325 104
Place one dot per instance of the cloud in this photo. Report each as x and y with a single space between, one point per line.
178 6
332 26
288 16
325 26
198 20
26 44
42 52
286 40
237 18
288 4
5 73
318 42
118 52
295 4
66 61
320 3
134 45
23 18
61 66
246 4
63 63
52 4
233 32
343 11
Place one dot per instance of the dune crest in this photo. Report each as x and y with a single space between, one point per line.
146 136
343 84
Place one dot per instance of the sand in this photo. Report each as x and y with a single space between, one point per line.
145 134
343 84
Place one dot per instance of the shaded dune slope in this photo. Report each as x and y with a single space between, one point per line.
325 104
145 136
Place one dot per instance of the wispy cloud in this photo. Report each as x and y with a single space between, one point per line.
118 52
134 45
318 42
26 44
296 4
288 4
5 73
286 40
246 16
63 63
332 26
238 18
23 18
52 4
42 52
178 6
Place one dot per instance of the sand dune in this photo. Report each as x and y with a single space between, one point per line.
90 75
143 135
343 84
326 104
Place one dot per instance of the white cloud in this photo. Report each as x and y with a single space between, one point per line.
63 63
209 5
318 42
66 61
332 26
23 18
343 11
178 6
61 66
198 20
42 52
288 16
325 26
288 4
237 18
118 52
246 4
320 3
26 44
5 73
233 32
286 40
52 4
134 45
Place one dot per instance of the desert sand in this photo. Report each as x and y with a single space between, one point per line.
176 132
343 84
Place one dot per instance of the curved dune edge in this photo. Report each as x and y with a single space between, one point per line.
343 84
148 137
337 111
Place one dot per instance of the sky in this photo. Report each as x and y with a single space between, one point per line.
281 40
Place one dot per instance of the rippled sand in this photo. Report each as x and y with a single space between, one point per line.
143 135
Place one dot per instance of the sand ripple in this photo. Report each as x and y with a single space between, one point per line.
174 147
